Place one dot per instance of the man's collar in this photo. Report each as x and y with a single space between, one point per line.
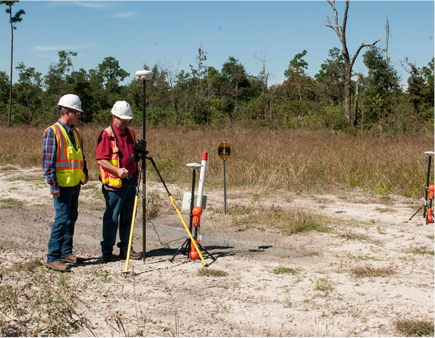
119 131
68 129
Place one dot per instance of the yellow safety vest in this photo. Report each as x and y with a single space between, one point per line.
69 160
106 177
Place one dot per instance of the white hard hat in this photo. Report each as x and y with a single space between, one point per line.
71 101
122 110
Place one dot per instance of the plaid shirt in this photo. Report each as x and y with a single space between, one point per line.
49 155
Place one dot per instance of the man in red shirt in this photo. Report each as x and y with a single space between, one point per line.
119 176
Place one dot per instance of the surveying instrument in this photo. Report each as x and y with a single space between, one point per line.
191 246
141 154
429 194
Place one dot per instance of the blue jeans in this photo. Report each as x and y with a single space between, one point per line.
118 214
60 244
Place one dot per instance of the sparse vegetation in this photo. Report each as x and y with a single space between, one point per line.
323 284
29 266
153 205
284 270
41 304
9 202
8 168
421 250
415 328
314 253
101 275
21 178
382 229
288 222
367 270
354 236
207 272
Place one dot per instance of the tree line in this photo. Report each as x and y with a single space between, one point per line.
335 98
206 95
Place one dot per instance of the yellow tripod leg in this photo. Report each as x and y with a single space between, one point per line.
187 229
127 260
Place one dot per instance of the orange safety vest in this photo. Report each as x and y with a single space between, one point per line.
69 159
106 177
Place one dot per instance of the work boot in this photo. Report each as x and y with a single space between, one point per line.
74 259
57 266
110 258
133 255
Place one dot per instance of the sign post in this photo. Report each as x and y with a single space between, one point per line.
224 152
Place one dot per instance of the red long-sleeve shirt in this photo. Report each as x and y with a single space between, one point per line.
125 144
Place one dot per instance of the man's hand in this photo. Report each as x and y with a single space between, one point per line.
122 172
56 193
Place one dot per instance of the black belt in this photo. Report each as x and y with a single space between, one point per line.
129 176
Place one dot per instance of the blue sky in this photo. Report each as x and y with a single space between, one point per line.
169 33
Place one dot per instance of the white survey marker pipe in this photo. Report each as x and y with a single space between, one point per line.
201 179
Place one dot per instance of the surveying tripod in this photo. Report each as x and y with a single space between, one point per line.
140 154
429 194
195 213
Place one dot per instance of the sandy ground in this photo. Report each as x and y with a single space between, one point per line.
162 298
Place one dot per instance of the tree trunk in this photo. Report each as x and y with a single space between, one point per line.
347 80
27 101
174 102
387 35
12 63
236 94
347 91
355 107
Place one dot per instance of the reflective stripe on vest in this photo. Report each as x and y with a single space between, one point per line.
106 177
69 159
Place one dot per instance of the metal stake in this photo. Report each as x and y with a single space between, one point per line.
144 208
225 187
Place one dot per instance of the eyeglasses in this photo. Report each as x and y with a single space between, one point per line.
123 120
78 113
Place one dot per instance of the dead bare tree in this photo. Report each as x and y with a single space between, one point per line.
387 33
264 75
348 62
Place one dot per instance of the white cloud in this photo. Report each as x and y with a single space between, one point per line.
93 4
57 48
126 15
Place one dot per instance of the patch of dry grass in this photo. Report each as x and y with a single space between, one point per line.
279 270
41 303
354 236
9 202
421 250
323 284
207 272
288 222
367 270
260 160
415 328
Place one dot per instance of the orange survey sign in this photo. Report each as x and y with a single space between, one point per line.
224 150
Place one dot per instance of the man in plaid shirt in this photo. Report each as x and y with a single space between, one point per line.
65 170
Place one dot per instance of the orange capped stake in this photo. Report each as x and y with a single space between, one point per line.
193 254
429 217
431 191
196 212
